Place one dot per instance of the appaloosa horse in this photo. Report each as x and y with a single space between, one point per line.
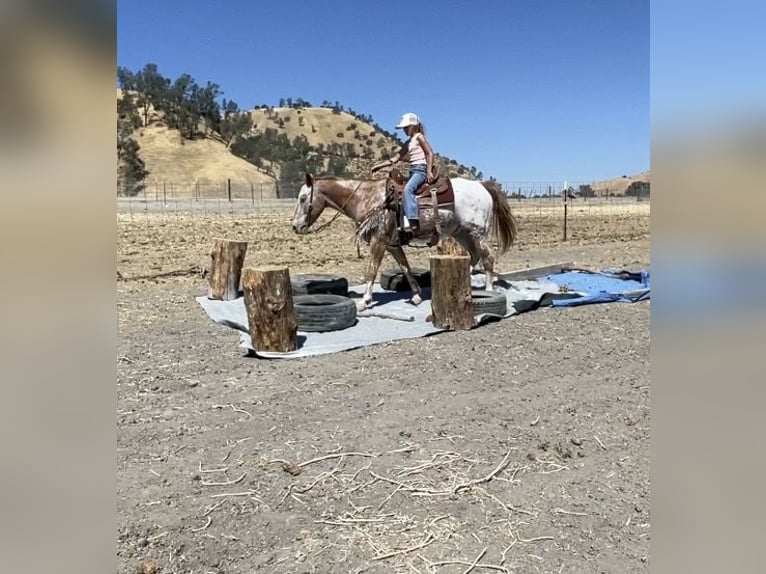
476 207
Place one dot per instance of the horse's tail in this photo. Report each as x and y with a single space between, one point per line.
503 221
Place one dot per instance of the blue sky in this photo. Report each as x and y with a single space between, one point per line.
523 90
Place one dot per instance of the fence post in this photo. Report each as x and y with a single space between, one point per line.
164 193
252 193
566 203
229 188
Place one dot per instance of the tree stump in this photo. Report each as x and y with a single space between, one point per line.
448 246
270 312
451 305
227 258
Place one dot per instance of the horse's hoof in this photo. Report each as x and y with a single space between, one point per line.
416 300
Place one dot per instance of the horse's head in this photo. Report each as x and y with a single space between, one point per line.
309 207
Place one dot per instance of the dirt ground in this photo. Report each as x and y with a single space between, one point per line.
519 446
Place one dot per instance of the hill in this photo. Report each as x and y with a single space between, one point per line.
269 157
204 162
637 184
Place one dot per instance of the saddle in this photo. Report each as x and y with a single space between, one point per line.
441 187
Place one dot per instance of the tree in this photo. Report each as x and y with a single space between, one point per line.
131 170
235 123
152 89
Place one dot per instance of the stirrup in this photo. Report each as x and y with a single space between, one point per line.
403 237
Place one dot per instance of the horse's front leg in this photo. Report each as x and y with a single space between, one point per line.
401 259
377 251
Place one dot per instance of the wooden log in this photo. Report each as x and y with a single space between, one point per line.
448 246
226 260
451 305
270 313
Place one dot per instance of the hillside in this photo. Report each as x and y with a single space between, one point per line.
325 126
204 162
619 185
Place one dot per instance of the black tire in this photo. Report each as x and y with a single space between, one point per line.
492 302
319 284
394 280
319 313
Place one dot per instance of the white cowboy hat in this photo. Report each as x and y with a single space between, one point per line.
408 119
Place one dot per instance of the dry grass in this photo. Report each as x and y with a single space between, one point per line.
163 242
170 158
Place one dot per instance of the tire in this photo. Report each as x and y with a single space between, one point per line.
392 280
492 302
320 313
319 284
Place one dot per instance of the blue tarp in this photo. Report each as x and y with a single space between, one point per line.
607 286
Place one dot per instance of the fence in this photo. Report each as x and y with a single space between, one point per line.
230 190
537 202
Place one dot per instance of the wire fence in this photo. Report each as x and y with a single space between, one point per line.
237 196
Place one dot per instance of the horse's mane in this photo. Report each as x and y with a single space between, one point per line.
374 223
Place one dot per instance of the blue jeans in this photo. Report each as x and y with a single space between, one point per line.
417 178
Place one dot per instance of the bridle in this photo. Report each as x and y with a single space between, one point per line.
339 209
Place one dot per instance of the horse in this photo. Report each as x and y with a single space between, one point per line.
478 207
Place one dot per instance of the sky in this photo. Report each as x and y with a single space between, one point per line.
524 90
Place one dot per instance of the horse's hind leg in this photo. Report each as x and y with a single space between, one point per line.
398 254
478 249
488 262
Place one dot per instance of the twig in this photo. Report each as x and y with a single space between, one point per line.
462 563
508 507
194 270
201 528
247 493
226 483
601 444
475 562
500 467
236 444
389 497
409 318
203 470
429 539
212 508
337 455
511 545
412 489
562 511
537 539
450 457
157 536
360 470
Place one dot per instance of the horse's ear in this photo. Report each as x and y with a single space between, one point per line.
396 176
309 179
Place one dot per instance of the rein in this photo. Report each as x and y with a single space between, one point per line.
339 211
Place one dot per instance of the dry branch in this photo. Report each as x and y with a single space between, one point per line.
337 455
226 483
500 467
429 539
193 270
